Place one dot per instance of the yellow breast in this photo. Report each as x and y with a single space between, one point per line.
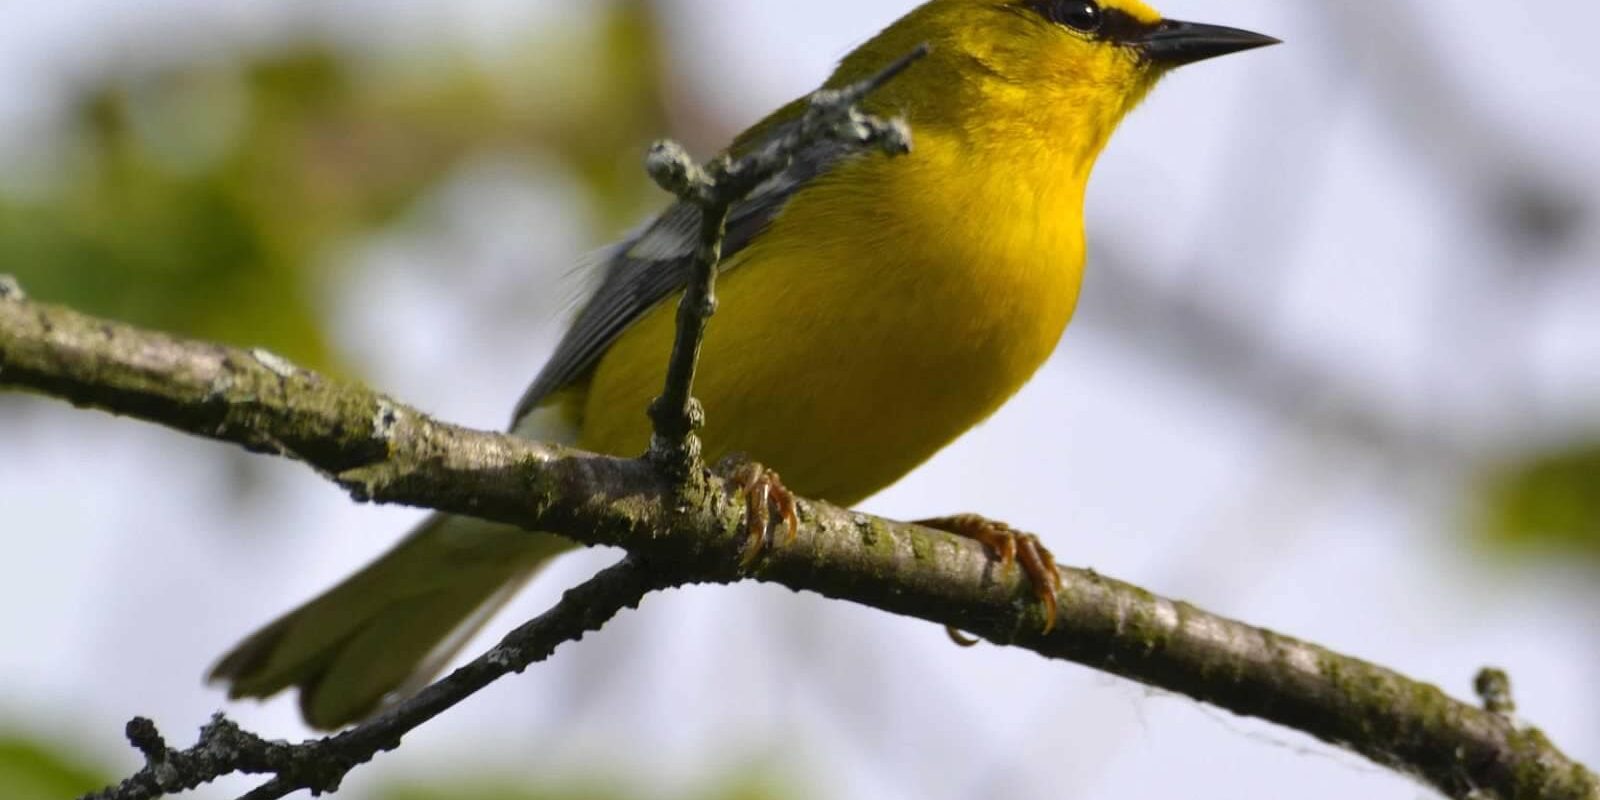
892 306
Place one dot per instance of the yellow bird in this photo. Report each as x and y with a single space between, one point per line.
934 283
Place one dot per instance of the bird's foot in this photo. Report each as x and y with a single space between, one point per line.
764 493
1012 547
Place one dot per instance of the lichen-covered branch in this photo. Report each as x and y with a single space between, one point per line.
384 451
320 765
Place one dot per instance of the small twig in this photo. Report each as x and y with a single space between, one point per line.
320 765
715 189
144 737
222 749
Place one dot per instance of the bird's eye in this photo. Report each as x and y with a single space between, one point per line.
1082 15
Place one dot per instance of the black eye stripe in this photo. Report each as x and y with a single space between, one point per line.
1120 26
1115 25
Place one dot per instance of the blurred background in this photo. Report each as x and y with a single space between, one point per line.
1337 372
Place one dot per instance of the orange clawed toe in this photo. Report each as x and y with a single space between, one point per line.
764 492
1012 547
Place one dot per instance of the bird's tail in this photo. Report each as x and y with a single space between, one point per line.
388 629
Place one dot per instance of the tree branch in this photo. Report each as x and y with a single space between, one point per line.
320 765
383 451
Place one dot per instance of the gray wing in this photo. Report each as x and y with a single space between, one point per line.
654 264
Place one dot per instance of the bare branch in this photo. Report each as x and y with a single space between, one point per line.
320 765
383 451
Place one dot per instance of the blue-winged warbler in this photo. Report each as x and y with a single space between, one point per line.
872 309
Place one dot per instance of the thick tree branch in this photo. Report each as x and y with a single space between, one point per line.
383 451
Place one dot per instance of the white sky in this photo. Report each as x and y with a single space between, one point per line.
129 566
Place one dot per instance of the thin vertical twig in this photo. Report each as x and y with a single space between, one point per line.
715 190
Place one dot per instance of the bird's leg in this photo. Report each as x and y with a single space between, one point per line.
1011 546
764 492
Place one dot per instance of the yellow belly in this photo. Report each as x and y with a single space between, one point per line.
888 310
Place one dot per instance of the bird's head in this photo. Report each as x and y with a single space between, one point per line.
1067 70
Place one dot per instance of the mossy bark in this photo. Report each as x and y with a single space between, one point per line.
384 451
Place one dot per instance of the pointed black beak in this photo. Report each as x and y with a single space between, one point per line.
1173 43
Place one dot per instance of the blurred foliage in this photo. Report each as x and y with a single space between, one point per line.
34 770
748 786
1551 502
206 199
31 770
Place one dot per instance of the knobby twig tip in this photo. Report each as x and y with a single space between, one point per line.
146 738
674 170
1494 689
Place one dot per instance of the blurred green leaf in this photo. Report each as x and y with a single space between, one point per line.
211 199
32 770
1549 502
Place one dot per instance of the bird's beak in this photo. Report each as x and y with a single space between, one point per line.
1173 43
